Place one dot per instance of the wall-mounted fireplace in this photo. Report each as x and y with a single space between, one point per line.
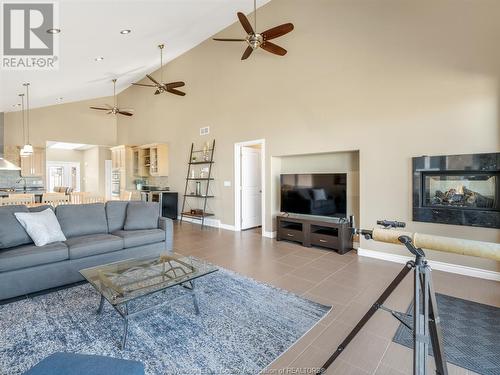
457 189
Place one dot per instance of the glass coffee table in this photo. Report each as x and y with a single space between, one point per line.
124 284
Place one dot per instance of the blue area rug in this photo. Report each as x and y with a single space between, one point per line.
243 326
471 334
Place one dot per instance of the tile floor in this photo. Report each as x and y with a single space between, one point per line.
347 282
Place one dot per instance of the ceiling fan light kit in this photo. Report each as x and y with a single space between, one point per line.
114 110
253 39
259 40
161 87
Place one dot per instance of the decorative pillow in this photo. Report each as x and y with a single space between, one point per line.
142 215
42 227
319 194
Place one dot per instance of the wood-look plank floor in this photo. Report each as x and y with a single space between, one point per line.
347 282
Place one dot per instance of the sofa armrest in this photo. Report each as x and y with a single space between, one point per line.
168 226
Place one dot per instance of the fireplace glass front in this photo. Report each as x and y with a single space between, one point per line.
474 190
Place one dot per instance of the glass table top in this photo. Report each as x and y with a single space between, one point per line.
126 280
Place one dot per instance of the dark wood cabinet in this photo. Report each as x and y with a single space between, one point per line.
329 233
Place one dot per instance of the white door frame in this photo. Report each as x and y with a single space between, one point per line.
237 181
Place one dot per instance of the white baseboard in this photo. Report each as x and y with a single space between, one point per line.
215 223
269 234
227 226
441 266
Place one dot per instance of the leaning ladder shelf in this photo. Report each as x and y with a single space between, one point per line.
204 197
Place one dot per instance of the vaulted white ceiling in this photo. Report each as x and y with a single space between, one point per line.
91 28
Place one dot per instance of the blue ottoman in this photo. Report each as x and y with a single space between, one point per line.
80 364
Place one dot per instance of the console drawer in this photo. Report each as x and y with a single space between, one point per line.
324 240
291 234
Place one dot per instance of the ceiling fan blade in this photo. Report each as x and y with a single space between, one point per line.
157 92
273 48
176 92
245 23
277 31
229 40
247 53
154 80
100 108
142 84
173 85
125 113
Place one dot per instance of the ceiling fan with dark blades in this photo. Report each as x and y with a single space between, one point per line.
160 86
262 40
114 110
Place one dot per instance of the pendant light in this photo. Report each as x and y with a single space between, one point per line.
27 149
21 152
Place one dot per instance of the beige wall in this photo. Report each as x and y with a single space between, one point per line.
94 169
393 79
91 170
71 122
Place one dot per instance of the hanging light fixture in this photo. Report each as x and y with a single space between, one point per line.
21 152
27 149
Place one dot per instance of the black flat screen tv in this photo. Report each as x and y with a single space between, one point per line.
322 194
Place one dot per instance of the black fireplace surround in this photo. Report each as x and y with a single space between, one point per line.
457 189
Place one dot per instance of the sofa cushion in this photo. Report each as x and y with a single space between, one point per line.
40 208
31 255
93 244
82 219
142 215
12 232
116 212
132 238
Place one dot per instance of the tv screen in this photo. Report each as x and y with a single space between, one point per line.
323 194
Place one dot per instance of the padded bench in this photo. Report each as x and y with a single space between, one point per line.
81 364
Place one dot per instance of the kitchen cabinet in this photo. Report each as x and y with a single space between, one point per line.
122 165
118 157
139 169
34 164
153 159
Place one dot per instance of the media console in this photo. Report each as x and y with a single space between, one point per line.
331 233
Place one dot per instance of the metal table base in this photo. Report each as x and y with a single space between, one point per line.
125 313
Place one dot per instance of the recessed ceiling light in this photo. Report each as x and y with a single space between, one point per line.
100 58
126 31
53 31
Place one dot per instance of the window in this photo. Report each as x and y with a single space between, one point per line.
65 174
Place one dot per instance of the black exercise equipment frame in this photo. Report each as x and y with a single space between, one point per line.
426 323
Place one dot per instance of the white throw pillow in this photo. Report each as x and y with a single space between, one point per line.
42 227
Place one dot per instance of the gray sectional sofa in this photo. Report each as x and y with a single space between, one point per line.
96 234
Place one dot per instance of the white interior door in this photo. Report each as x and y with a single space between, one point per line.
251 187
